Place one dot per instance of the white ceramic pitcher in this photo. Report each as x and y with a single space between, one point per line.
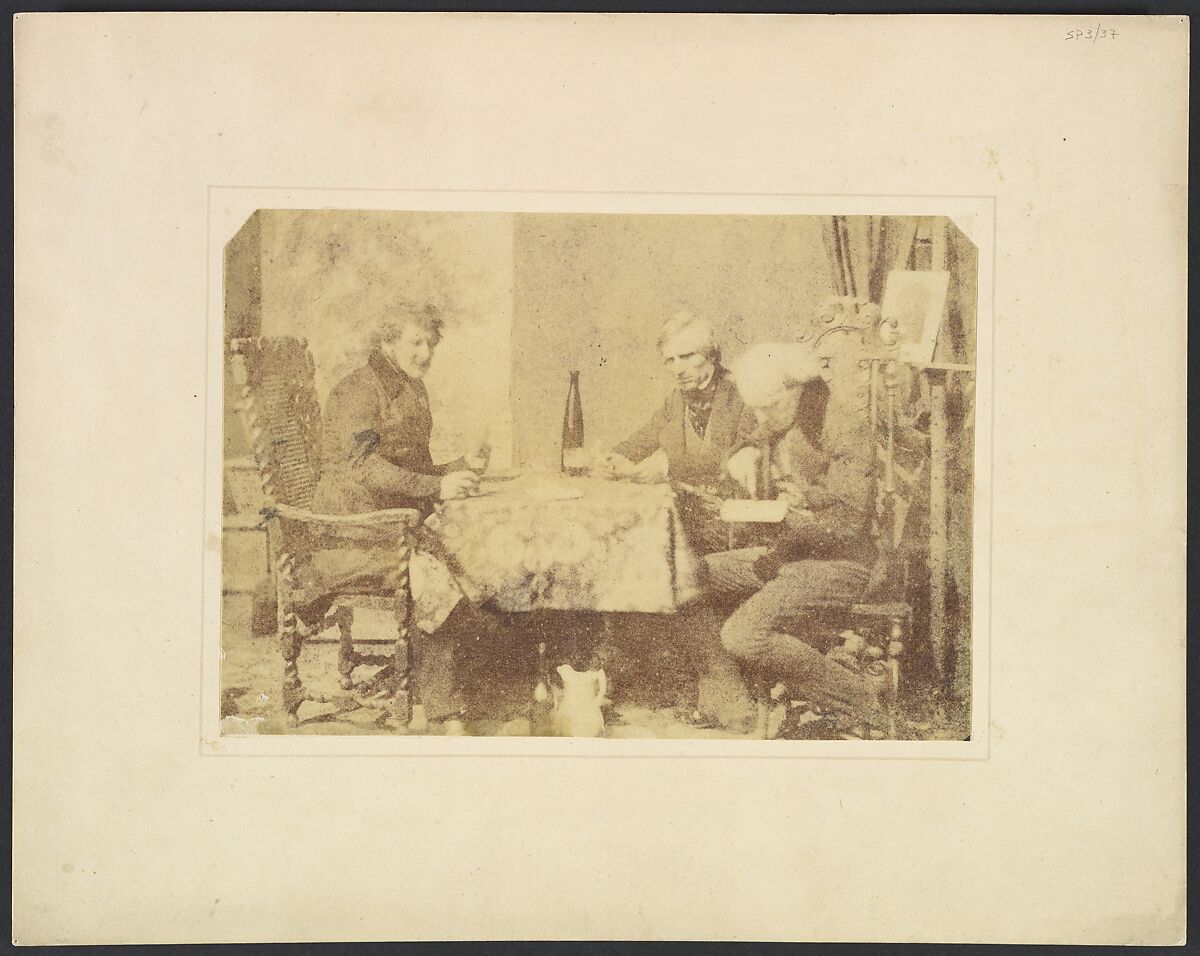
577 712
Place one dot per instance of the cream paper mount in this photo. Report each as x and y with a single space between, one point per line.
143 142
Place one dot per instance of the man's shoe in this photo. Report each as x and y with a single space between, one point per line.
811 726
694 718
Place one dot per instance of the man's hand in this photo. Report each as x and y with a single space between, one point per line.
652 469
799 518
767 566
458 484
792 493
477 459
743 468
612 465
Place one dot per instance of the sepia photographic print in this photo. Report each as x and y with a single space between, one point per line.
598 475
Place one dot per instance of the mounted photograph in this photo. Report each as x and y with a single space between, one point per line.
611 475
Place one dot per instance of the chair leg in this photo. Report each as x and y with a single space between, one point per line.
348 659
895 650
290 642
407 700
408 706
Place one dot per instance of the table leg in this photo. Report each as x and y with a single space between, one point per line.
541 705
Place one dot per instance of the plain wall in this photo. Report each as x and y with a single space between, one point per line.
591 291
327 276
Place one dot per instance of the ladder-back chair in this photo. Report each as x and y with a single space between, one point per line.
278 404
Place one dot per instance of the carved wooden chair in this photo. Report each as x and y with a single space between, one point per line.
279 408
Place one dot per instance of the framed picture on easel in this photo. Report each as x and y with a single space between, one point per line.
913 310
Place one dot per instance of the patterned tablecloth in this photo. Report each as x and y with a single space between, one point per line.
544 542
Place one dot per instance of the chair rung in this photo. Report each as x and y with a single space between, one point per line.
374 660
892 609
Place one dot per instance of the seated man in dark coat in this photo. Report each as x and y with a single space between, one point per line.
690 436
376 426
375 455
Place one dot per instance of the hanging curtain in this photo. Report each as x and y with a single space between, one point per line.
852 244
862 249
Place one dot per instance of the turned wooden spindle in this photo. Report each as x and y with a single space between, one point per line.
409 706
290 642
347 658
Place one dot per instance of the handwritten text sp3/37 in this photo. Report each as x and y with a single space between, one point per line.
1092 34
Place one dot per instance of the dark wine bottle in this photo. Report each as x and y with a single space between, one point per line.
573 459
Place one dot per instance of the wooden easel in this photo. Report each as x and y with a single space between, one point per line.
940 376
876 387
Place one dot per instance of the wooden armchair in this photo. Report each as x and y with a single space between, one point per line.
278 405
